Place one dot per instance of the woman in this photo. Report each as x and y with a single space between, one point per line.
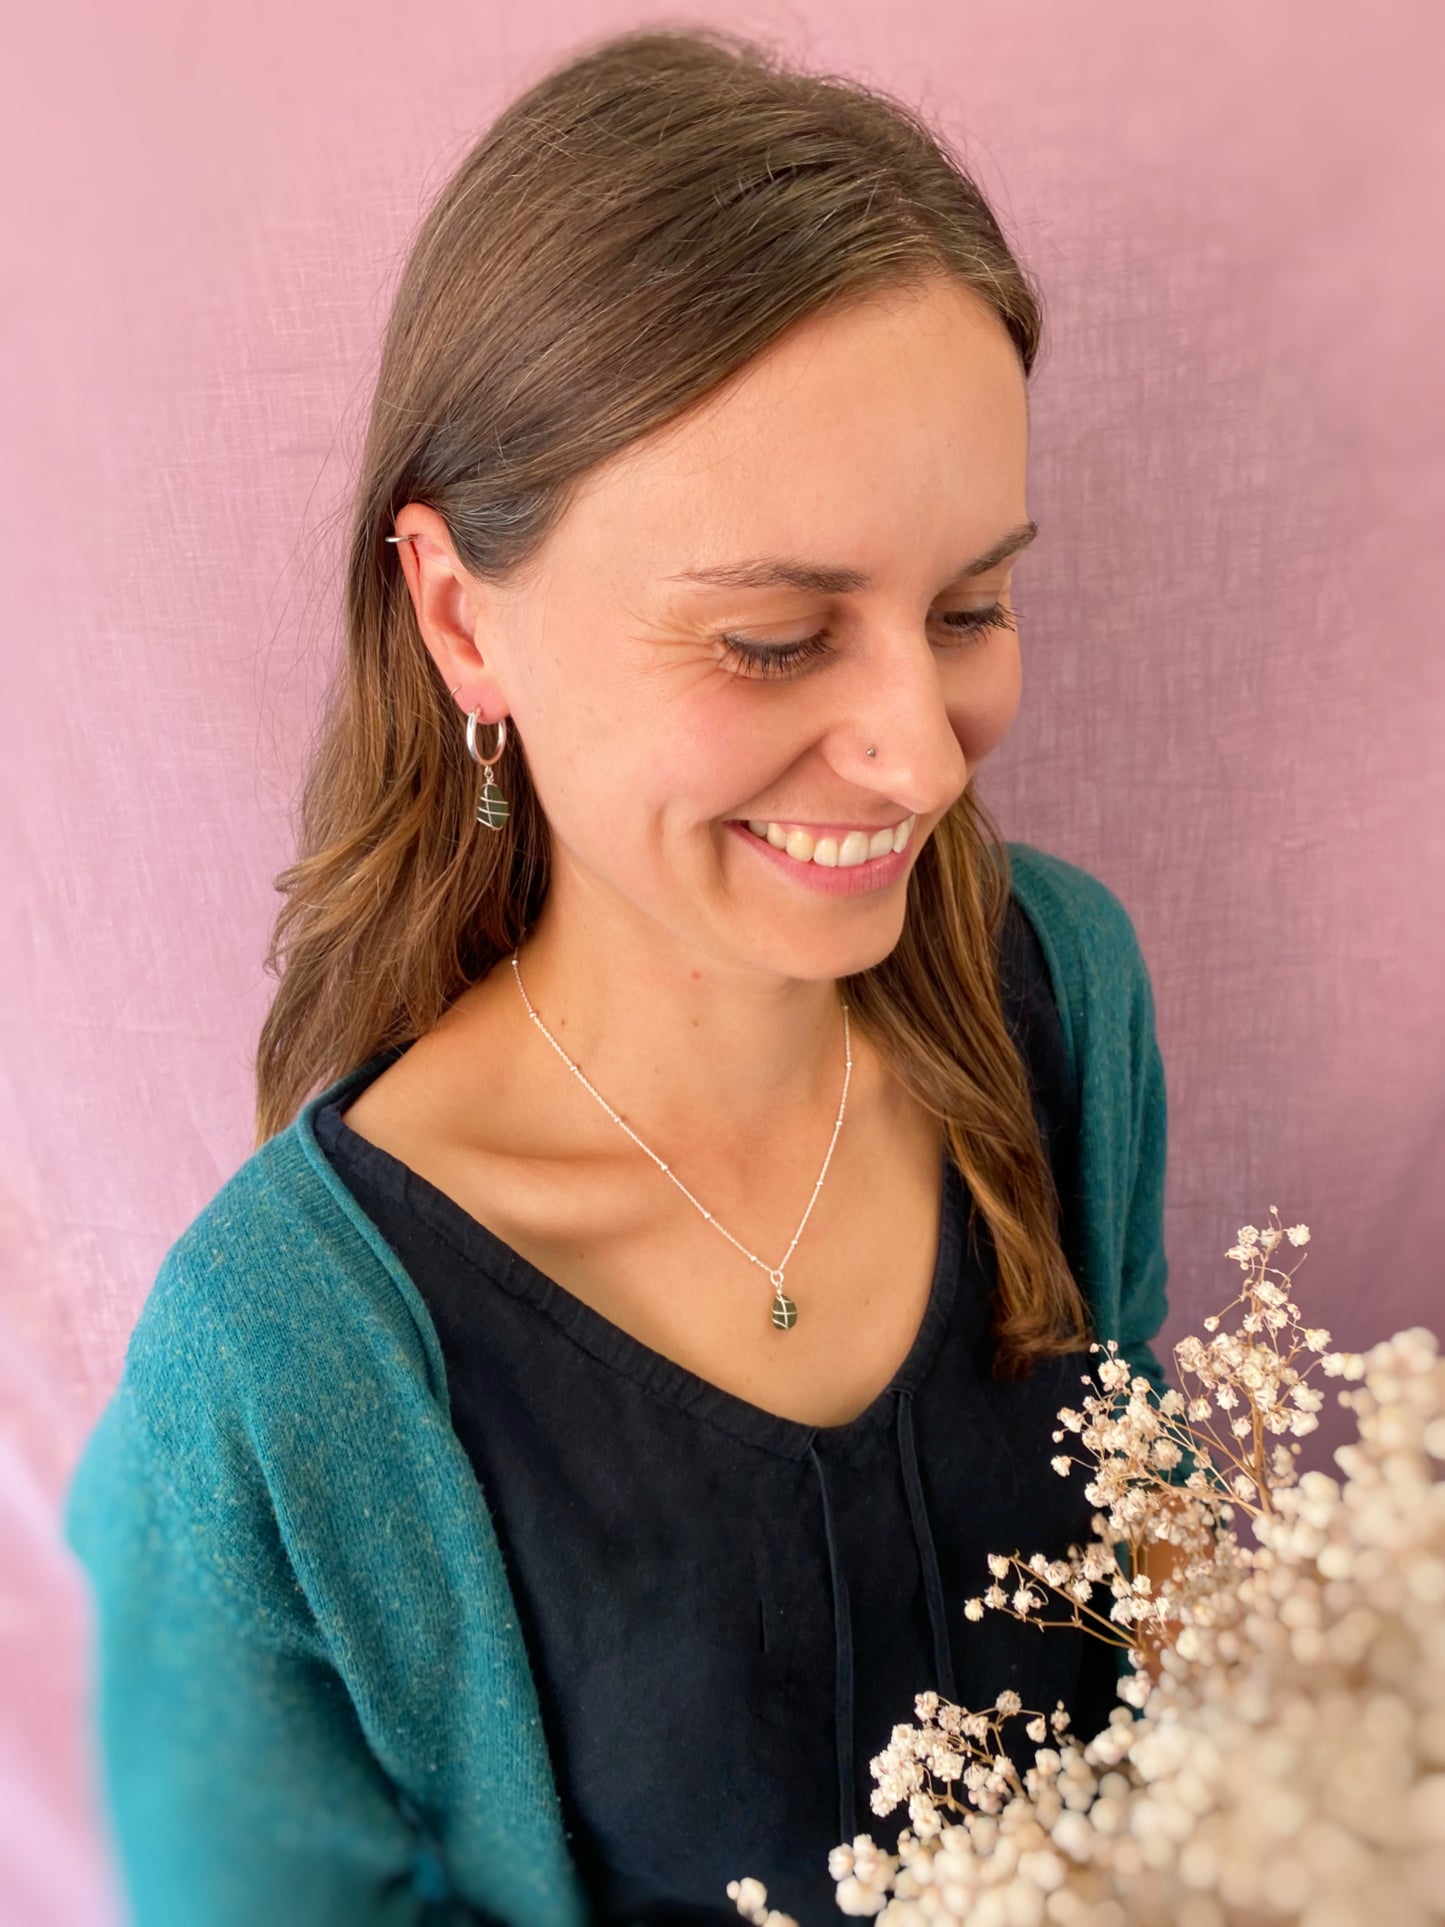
546 1471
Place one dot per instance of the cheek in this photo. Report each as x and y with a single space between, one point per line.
682 776
987 702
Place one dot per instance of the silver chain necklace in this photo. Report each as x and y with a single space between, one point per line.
785 1312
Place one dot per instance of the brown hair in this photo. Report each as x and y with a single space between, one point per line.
624 238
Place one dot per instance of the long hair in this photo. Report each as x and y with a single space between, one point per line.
628 234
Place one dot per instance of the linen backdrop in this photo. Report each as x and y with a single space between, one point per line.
1233 712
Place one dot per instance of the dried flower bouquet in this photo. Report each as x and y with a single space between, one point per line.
1278 1754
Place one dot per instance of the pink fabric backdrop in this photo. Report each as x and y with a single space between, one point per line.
1234 703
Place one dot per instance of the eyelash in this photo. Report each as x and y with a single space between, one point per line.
764 660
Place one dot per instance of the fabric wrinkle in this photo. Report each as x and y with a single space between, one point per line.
843 1662
927 1551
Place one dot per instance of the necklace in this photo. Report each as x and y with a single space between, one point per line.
785 1312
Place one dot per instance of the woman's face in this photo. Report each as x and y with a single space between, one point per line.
880 452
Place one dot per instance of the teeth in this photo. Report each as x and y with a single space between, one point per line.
856 847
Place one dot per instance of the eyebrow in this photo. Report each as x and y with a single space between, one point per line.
790 572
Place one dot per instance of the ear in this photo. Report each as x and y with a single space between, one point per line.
450 607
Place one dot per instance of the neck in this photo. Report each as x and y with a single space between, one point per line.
728 1058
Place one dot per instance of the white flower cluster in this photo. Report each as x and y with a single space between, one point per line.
1288 1763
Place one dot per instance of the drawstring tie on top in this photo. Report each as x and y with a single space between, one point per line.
842 1616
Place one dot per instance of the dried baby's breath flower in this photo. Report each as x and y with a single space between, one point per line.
1286 1760
750 1897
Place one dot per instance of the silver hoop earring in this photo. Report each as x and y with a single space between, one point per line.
493 808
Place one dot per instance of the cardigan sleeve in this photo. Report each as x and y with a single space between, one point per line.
1144 1267
239 1785
1144 1270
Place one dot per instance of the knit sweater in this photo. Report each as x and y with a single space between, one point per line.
312 1699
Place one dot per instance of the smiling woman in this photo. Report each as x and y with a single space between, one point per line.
480 1523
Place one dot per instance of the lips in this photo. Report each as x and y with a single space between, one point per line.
876 874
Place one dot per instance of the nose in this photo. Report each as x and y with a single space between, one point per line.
894 700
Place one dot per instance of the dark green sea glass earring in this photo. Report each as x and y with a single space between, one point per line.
493 808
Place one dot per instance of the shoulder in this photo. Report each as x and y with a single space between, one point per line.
277 1301
282 1377
1100 979
281 1424
1068 904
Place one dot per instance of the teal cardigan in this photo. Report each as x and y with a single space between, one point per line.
313 1703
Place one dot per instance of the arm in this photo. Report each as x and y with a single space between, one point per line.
1144 1269
1143 1298
239 1785
281 1610
1144 1272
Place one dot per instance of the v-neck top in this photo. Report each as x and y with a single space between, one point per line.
726 1610
297 1579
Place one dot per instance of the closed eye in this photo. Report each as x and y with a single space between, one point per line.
764 659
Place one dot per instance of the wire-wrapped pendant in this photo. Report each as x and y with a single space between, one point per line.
785 1312
492 807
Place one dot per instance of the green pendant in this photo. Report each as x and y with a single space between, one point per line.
492 807
785 1312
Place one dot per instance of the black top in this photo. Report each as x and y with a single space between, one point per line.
727 1611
